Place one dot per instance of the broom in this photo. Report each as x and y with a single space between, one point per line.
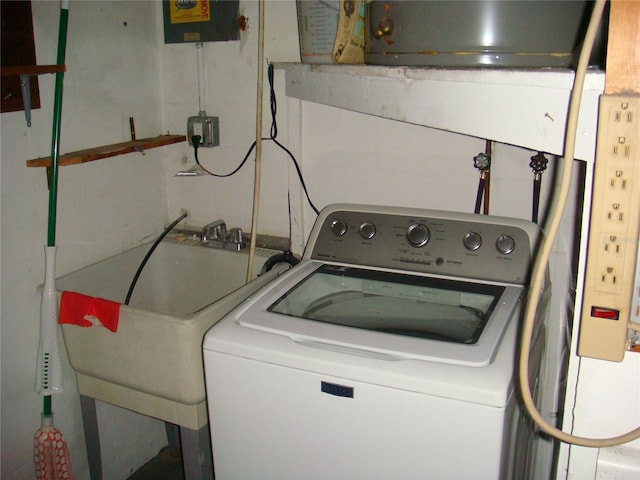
51 455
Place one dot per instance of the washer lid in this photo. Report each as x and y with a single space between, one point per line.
375 312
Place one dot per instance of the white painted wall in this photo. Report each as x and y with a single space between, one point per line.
229 92
345 156
104 207
116 71
352 157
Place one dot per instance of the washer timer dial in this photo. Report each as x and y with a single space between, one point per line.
472 241
505 244
418 234
338 227
367 230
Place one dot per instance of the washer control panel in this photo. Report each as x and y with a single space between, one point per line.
426 241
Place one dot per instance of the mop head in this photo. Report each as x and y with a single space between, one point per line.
50 453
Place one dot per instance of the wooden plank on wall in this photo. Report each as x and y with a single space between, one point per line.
623 48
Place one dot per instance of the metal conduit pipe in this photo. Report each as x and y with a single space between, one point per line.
256 181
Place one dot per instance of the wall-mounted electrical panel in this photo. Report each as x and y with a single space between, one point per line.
197 21
610 279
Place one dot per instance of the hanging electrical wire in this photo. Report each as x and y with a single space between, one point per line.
273 134
195 140
199 47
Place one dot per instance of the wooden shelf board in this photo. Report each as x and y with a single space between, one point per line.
32 70
97 153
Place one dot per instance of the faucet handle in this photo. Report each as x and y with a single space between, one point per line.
236 236
220 231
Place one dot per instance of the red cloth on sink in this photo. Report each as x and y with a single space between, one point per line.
86 311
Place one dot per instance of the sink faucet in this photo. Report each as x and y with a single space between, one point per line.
215 235
214 231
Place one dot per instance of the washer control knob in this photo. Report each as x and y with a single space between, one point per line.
505 244
367 230
472 241
338 227
418 234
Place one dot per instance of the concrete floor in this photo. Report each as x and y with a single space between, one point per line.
166 466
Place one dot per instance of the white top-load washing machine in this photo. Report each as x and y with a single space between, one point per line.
387 353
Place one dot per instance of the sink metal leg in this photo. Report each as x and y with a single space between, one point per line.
196 453
196 445
91 436
173 435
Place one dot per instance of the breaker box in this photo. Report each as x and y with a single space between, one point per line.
187 21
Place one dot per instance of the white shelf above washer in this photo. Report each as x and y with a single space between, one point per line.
527 108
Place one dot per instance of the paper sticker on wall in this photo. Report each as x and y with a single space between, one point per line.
200 21
188 11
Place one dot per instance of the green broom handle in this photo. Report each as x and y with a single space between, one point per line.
55 136
55 147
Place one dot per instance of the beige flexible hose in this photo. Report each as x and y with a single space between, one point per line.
541 263
256 180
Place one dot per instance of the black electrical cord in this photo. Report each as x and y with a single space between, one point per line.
273 133
286 256
150 252
195 140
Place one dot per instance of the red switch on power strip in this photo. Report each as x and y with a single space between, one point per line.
606 313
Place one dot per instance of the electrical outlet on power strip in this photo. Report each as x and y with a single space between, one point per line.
614 231
609 261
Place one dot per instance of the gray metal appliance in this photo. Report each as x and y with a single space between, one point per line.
481 33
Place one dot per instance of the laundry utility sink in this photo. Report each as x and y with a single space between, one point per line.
152 364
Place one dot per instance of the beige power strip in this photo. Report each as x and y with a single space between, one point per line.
613 232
